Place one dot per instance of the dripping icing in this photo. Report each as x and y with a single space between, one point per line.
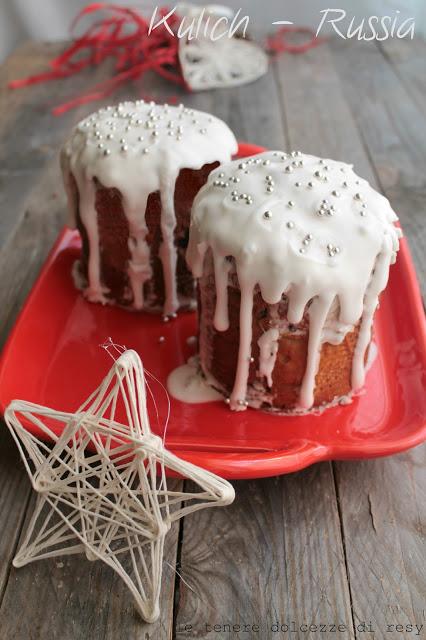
139 148
268 349
299 240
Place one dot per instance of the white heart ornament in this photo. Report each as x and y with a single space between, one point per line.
214 59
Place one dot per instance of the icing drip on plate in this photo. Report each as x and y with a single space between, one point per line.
139 149
303 227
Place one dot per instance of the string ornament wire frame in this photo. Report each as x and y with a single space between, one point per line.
102 486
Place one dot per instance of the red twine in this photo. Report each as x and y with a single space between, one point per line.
278 43
123 35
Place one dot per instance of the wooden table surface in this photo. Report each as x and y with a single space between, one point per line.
340 543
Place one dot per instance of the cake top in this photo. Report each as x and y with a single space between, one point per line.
145 144
295 222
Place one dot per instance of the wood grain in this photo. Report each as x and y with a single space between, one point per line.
394 134
273 557
336 121
335 543
383 508
303 575
70 598
76 595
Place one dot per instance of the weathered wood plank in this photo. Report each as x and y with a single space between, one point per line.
319 120
382 502
284 558
32 213
372 501
30 136
383 506
272 558
33 207
276 555
70 598
408 57
14 495
394 133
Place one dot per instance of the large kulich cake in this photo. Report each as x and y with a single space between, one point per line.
131 173
291 252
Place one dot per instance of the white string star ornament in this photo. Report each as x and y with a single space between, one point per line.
102 486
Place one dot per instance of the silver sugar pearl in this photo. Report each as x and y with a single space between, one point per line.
267 214
290 224
290 203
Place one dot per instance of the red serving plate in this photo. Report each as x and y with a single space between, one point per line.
53 357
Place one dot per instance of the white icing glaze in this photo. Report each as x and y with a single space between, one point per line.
268 349
186 383
139 149
301 226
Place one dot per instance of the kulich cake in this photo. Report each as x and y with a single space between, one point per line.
131 173
291 252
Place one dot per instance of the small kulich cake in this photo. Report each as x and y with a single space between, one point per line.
131 173
291 252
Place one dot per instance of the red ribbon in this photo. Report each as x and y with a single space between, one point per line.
123 35
278 42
